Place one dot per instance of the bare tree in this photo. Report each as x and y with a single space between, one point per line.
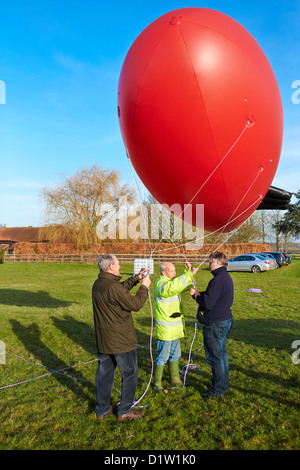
277 217
264 222
77 203
248 232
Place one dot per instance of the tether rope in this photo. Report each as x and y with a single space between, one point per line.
230 221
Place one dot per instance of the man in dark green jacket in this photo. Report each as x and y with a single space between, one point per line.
115 335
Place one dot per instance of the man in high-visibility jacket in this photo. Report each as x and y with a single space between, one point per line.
169 321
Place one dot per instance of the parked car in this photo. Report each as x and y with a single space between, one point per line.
287 258
279 257
269 258
250 263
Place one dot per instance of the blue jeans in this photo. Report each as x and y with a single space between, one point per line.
168 351
107 363
215 337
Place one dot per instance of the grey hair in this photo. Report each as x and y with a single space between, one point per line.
105 261
162 267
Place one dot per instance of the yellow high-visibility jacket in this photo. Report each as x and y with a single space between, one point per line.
167 301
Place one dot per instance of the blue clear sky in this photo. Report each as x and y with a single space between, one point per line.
60 62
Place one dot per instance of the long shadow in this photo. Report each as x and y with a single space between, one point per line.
79 332
265 332
270 334
273 396
84 335
31 338
23 298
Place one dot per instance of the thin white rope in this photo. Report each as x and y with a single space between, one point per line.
190 353
230 219
146 225
59 371
151 355
216 231
247 126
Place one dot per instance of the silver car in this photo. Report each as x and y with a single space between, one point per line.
270 258
250 263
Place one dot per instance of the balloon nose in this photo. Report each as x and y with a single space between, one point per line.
176 20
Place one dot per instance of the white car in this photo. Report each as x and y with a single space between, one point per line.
249 263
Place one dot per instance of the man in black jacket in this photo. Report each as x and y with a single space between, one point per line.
115 335
214 312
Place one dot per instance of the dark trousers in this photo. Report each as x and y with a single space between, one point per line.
215 337
107 363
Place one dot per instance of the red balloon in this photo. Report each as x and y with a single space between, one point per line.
201 115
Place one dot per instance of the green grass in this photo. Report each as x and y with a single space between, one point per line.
46 317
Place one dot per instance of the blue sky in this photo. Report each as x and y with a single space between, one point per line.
60 62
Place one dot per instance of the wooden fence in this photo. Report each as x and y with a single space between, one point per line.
92 258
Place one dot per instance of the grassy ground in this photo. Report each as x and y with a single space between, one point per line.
46 318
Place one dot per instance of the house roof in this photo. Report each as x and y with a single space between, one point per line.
20 234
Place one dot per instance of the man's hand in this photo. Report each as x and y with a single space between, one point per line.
141 274
189 266
146 281
194 293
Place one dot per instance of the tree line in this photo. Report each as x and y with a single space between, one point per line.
76 208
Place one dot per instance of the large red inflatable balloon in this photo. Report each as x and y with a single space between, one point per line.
201 115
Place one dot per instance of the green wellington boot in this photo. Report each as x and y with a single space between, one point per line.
174 374
158 373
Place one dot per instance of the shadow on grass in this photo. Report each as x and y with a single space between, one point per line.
265 332
31 338
79 332
23 298
84 335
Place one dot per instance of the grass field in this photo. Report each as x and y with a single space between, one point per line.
46 318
